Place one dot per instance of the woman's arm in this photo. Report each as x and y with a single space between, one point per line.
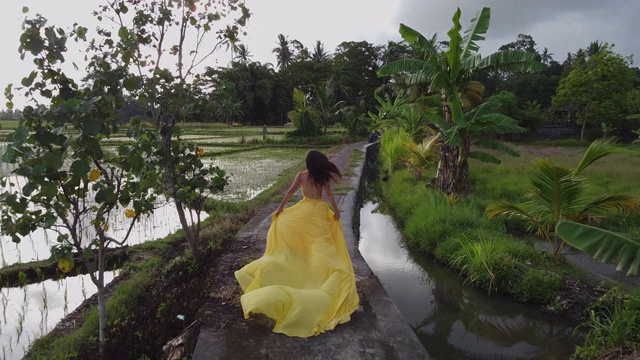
332 201
290 192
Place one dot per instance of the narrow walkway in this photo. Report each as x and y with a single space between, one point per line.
376 331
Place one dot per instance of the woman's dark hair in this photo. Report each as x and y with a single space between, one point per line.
321 170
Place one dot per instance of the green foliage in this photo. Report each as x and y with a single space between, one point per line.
450 72
559 193
460 236
393 150
604 245
596 88
303 116
612 324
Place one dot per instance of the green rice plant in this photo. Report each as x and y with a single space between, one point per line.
393 150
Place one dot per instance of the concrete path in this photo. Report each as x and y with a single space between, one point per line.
376 331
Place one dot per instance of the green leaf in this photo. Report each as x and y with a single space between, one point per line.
49 190
104 195
25 9
479 25
80 168
123 32
605 245
53 160
91 128
131 84
484 157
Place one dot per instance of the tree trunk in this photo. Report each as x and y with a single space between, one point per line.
446 176
462 185
584 126
171 187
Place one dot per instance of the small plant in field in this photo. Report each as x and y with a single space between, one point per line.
559 193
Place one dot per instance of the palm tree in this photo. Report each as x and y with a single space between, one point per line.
283 52
326 105
319 55
558 193
449 73
595 47
303 116
243 53
546 57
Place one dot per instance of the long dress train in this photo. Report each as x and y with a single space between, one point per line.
305 279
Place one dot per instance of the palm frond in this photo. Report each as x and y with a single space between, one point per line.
622 203
598 149
555 189
506 208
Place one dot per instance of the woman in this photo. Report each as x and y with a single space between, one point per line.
305 280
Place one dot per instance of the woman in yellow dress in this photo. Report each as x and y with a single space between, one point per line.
305 280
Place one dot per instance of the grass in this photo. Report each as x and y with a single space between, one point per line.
613 324
459 234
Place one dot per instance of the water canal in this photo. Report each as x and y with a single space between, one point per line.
452 319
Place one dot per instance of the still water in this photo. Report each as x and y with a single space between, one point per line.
452 319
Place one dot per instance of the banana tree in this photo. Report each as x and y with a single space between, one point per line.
559 193
450 74
607 246
479 126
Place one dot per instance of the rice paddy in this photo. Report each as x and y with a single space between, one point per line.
28 312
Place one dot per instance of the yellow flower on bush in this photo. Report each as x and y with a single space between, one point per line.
129 213
65 265
200 151
94 175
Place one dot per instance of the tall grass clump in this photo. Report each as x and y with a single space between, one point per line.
393 148
613 325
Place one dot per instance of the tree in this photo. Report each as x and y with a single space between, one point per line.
558 193
596 89
449 74
325 103
283 52
524 42
75 184
355 67
303 116
546 57
319 56
243 53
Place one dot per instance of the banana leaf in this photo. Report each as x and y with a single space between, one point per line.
604 245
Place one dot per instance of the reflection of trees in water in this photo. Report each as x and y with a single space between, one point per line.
504 324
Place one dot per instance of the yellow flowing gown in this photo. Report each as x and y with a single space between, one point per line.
305 279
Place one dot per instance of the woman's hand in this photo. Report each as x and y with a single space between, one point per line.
336 215
277 212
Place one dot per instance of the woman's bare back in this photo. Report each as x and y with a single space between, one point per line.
309 188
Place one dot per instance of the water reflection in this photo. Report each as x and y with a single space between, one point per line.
451 319
27 313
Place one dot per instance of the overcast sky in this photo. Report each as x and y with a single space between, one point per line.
560 25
